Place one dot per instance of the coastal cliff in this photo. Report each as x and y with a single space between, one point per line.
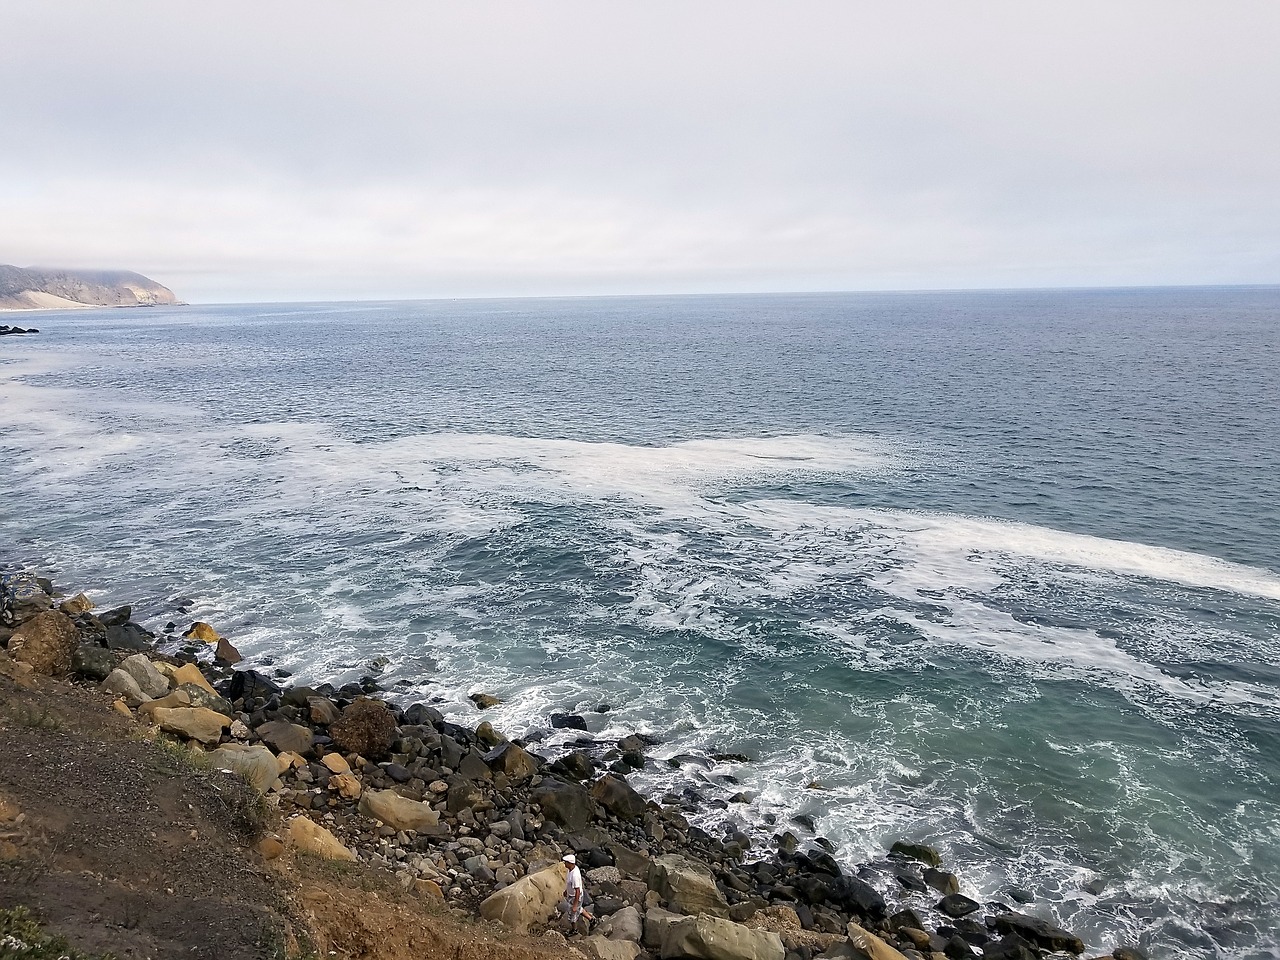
35 288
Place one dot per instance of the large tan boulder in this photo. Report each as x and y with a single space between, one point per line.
398 812
687 886
710 938
529 900
46 643
255 763
602 948
309 837
173 700
194 723
190 673
871 945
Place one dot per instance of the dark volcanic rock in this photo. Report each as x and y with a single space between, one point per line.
945 883
93 662
916 851
566 804
1040 932
285 736
128 636
568 721
618 797
958 905
250 684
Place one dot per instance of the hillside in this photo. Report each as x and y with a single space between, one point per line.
32 288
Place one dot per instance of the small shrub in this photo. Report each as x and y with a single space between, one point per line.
22 938
367 727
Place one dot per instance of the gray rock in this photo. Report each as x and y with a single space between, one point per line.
285 736
128 636
93 662
150 680
121 684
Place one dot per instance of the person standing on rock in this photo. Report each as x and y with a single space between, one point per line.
575 894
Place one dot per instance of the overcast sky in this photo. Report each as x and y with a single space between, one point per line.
319 150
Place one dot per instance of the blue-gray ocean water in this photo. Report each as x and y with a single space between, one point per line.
999 572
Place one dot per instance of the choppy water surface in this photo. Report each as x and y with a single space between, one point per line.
996 571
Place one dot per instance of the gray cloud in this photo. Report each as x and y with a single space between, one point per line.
320 149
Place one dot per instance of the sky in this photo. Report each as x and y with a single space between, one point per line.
323 150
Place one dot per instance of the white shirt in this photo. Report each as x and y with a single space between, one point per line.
573 883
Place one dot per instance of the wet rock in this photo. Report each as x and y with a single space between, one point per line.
202 632
117 617
567 721
916 851
421 714
484 700
225 652
576 765
1040 932
489 736
945 883
957 905
47 643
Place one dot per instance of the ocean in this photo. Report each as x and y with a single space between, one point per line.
994 571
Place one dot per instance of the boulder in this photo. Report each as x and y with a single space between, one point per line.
398 812
530 900
957 905
171 701
366 727
194 723
47 643
286 737
515 762
566 804
484 700
190 673
710 938
567 721
656 922
487 735
76 605
602 948
128 636
626 924
314 839
945 883
871 945
250 684
347 785
93 662
202 632
226 653
617 796
916 851
150 680
1040 932
687 886
255 763
201 697
122 685
322 711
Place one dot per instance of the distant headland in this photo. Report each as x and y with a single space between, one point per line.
43 288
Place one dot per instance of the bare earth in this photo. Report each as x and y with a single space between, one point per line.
123 846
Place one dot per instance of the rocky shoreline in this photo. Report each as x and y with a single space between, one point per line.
468 817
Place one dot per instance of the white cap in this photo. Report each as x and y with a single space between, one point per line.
570 858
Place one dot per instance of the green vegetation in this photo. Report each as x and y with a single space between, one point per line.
23 938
